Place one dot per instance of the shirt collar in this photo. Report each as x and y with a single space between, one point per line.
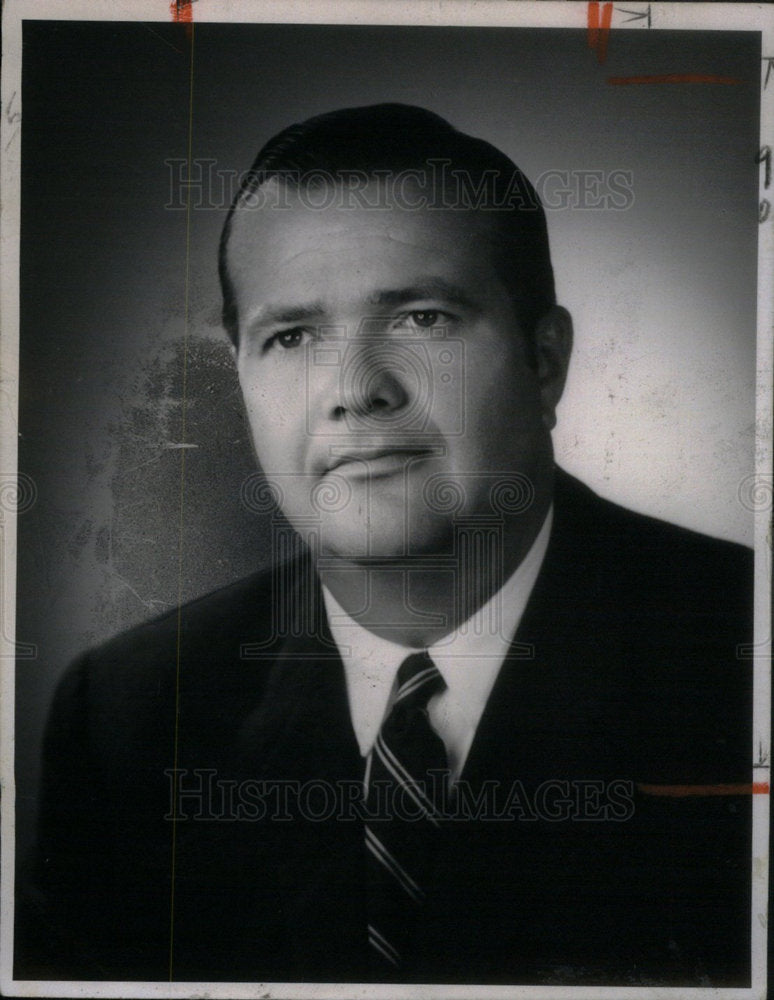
371 662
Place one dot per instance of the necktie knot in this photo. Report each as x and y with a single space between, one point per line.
418 680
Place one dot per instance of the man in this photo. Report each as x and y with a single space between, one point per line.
474 725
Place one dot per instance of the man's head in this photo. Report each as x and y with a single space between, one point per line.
388 291
401 143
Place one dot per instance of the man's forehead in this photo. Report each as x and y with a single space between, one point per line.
273 284
289 261
278 210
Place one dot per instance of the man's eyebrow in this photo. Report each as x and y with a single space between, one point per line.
279 314
434 288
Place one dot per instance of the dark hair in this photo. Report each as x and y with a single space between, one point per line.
388 139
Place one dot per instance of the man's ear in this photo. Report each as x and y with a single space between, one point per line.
552 349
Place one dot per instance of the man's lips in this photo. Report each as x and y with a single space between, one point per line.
373 462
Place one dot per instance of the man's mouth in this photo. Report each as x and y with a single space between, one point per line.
374 463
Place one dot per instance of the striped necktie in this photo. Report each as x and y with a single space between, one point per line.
406 772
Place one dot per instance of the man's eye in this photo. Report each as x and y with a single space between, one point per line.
426 318
286 339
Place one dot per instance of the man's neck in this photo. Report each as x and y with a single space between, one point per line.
416 602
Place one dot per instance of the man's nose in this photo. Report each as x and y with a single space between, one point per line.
374 381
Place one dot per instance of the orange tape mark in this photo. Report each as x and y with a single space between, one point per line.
672 78
599 32
593 24
681 791
604 35
182 10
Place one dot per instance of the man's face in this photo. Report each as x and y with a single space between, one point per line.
385 374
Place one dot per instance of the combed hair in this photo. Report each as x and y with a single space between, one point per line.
389 139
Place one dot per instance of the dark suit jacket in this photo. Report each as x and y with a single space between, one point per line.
624 698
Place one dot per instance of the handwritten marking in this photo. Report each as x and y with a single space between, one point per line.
769 60
672 78
637 15
764 156
599 32
683 791
11 116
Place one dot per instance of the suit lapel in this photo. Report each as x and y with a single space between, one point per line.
301 737
302 728
555 706
545 727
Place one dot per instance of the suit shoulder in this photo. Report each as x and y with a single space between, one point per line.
209 630
650 556
212 613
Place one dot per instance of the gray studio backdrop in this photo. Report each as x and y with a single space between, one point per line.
654 252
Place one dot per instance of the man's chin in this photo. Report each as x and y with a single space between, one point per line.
388 542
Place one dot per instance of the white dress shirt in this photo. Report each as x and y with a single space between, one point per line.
469 660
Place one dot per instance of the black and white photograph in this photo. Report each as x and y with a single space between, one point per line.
385 498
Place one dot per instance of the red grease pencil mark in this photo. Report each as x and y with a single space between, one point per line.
682 791
182 10
598 34
182 13
672 78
